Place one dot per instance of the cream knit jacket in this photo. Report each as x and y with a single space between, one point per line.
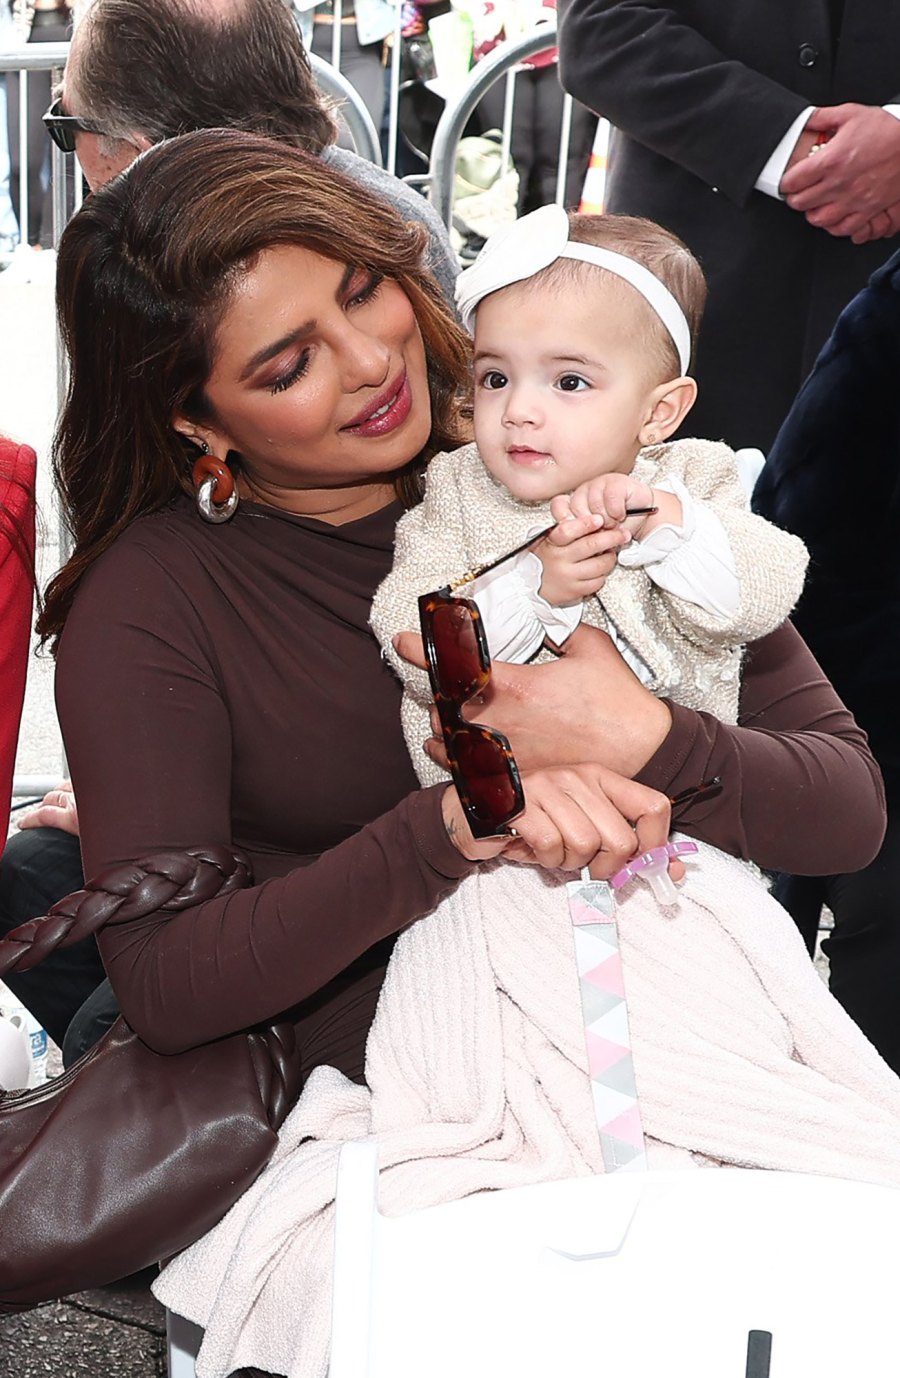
467 519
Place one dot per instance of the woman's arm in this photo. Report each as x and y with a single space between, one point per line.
154 742
151 744
800 790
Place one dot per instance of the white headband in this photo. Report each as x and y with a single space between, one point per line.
520 250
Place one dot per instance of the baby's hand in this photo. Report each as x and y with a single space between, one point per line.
577 558
606 500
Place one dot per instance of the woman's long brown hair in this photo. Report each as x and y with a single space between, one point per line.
146 270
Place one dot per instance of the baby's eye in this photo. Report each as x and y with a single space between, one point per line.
494 379
572 382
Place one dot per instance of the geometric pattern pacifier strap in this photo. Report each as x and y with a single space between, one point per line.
592 907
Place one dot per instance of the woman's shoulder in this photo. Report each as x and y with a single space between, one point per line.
165 541
153 576
149 587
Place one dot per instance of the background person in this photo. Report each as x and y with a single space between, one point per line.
41 864
37 21
849 614
537 109
204 64
715 110
17 477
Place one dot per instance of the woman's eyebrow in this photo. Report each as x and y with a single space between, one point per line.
270 351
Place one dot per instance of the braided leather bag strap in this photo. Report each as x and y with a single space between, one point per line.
165 882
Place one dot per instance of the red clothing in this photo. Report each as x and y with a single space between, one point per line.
17 471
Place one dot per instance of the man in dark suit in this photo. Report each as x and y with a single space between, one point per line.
845 425
754 130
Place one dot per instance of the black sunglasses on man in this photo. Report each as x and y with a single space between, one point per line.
62 128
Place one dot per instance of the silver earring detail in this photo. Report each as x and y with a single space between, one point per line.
211 476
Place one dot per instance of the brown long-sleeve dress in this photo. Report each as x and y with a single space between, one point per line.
220 684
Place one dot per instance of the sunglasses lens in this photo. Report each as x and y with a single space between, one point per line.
61 134
491 792
459 667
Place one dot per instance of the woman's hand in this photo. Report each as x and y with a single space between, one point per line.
585 706
574 816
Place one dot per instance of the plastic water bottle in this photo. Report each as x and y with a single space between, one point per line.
15 1057
13 1012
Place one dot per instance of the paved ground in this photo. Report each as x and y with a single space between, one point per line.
115 1332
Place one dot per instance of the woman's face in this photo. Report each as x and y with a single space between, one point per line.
319 383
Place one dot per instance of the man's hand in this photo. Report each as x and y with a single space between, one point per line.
805 144
884 225
577 558
57 809
585 706
854 177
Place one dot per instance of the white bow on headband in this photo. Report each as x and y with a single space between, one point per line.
520 250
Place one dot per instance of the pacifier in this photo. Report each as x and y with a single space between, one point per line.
653 867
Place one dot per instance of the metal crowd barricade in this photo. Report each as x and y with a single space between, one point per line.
38 57
502 62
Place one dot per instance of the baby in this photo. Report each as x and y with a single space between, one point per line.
583 331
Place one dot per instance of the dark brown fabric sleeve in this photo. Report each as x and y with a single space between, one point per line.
149 740
801 790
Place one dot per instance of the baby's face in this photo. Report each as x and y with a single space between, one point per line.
561 388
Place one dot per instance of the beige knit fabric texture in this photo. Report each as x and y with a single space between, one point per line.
467 519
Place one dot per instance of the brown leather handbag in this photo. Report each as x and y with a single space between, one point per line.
131 1155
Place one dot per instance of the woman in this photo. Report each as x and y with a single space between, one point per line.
17 472
229 668
217 682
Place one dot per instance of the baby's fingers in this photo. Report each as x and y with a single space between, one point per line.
572 529
561 507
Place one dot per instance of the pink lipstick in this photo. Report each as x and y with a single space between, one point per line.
386 412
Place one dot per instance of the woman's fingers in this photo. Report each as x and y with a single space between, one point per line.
408 646
577 816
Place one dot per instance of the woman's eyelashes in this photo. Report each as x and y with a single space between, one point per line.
296 371
364 293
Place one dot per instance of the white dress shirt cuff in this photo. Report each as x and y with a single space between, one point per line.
769 179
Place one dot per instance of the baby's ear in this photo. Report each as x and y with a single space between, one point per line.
669 405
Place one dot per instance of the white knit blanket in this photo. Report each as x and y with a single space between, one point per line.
477 1076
